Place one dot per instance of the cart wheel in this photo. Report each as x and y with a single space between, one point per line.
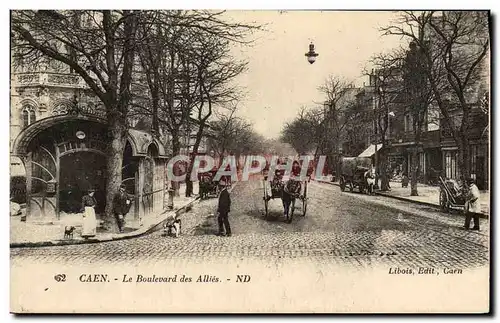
361 189
351 187
304 206
342 184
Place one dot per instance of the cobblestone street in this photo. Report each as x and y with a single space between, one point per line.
137 136
339 228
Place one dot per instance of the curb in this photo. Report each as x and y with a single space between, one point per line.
184 209
481 215
134 234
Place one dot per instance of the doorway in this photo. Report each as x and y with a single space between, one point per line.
79 172
480 172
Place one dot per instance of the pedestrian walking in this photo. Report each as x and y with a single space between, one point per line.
223 209
121 206
404 181
472 206
89 226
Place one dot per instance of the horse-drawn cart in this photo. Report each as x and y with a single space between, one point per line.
451 195
352 173
288 191
209 187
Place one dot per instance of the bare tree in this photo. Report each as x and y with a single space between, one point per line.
223 132
455 45
305 132
188 69
339 99
419 96
386 84
215 72
165 65
235 136
100 46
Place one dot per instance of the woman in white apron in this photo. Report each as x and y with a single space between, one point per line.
89 218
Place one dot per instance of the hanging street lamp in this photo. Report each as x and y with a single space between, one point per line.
311 54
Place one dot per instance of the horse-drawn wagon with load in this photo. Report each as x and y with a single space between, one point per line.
356 172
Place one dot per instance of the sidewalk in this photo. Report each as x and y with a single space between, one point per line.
426 195
430 195
37 231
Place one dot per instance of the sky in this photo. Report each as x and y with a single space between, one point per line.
279 79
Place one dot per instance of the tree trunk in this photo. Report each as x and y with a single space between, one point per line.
189 186
384 183
176 149
155 127
118 132
415 162
464 158
189 183
414 172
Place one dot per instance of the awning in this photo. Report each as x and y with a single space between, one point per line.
370 151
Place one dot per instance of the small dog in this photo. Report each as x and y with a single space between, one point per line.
173 227
68 232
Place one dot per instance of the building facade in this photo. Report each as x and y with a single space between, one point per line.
437 150
58 146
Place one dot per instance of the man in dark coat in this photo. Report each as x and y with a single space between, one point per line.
223 209
121 206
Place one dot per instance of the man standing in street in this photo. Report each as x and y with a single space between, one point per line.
472 206
223 209
121 206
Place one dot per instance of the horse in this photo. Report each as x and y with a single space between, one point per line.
291 190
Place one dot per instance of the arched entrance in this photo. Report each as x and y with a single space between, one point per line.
64 156
62 162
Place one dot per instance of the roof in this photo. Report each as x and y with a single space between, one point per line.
139 140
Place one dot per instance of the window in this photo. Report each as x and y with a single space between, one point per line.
408 123
421 165
28 115
451 164
433 118
476 154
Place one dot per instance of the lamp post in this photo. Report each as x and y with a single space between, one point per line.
311 54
